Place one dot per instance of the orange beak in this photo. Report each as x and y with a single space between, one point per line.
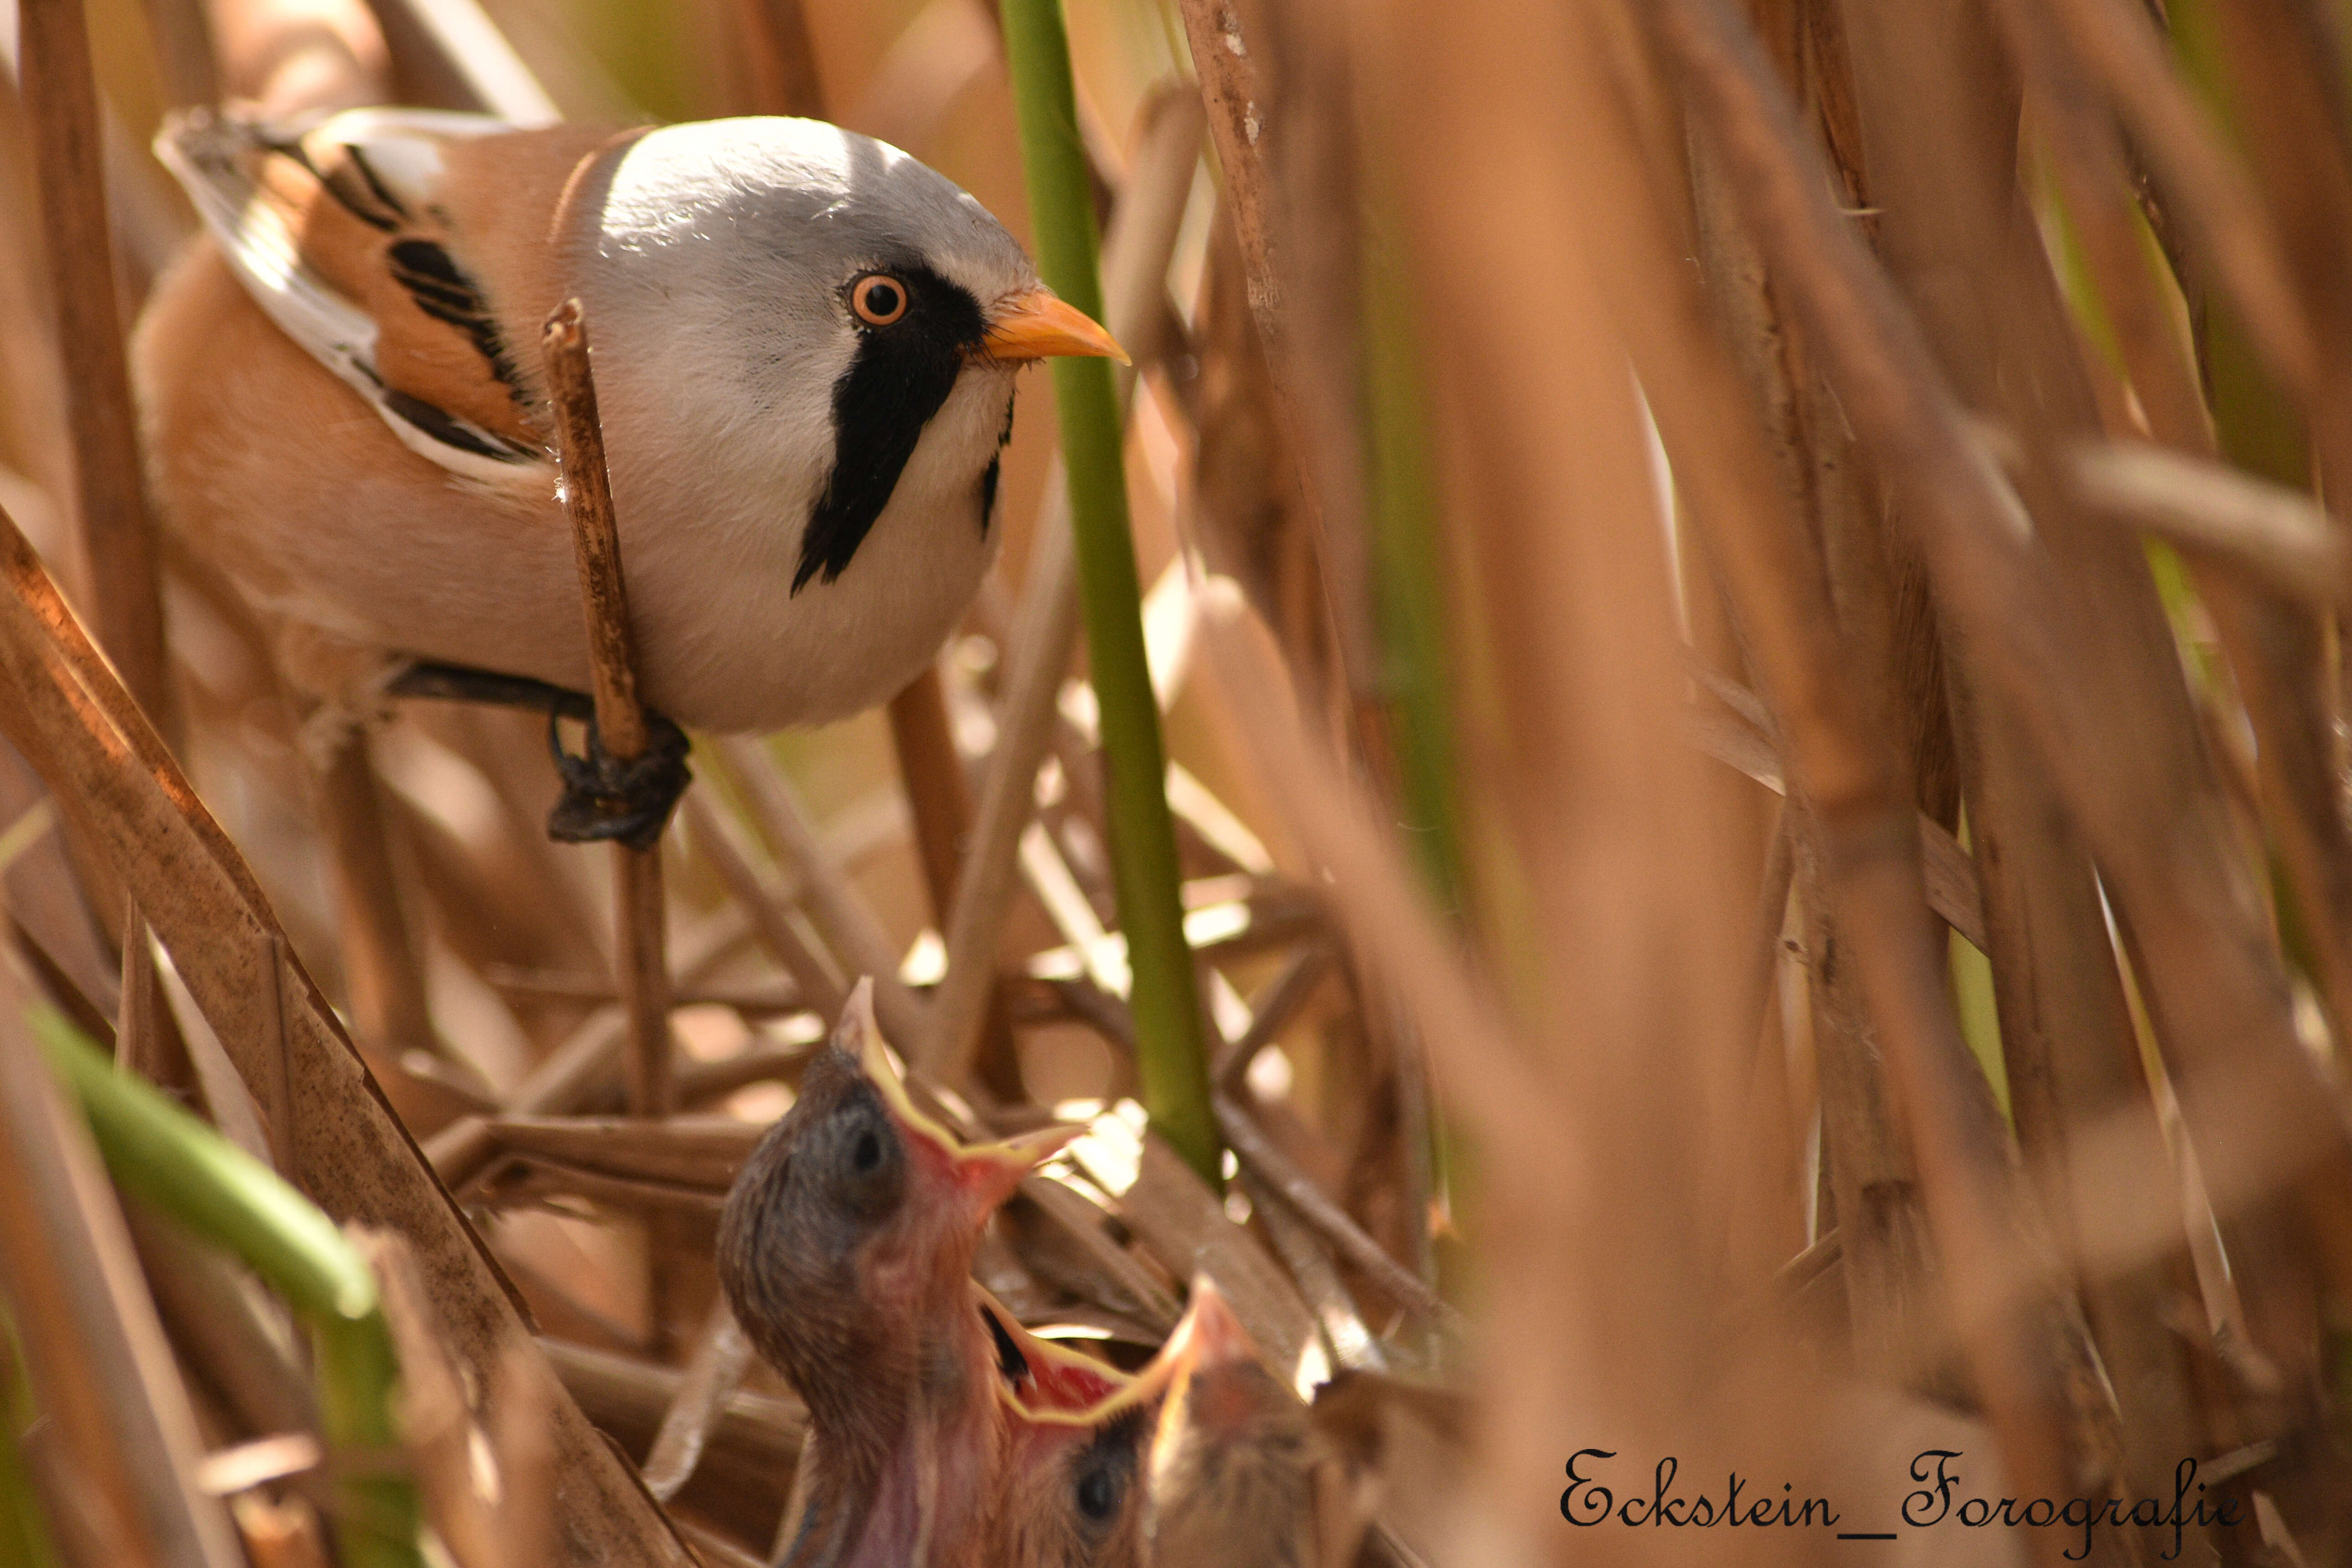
1039 325
983 1175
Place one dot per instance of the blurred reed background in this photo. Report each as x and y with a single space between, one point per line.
1750 646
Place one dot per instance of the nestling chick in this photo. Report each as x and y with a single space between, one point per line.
1234 1465
805 347
845 1252
1073 1491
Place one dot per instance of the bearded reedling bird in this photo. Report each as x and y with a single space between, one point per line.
805 345
1237 1470
1074 1473
845 1252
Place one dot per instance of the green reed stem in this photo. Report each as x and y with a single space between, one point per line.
190 1173
1170 1059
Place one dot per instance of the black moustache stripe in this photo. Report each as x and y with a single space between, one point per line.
901 375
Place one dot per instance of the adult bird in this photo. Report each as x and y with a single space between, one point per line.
846 1249
806 344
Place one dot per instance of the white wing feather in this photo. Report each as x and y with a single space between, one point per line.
213 156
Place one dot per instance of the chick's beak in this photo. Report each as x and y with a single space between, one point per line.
982 1175
1038 325
1210 1335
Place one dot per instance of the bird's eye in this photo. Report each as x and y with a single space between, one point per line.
868 1154
1096 1494
877 299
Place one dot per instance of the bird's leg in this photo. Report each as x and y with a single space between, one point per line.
602 797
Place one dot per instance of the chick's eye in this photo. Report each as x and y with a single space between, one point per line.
877 299
1096 1494
867 1153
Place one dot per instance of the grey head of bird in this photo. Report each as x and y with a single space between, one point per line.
847 314
821 337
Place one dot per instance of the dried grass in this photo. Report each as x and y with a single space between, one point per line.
1565 431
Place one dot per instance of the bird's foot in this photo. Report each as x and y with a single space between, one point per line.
604 798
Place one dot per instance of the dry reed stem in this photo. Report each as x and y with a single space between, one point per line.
2278 538
73 719
1898 1322
641 932
1481 1074
435 1425
2205 189
720 841
1232 76
628 1397
146 1040
856 938
1308 1258
781 57
569 1075
1114 1274
2214 993
455 58
225 1325
383 975
1271 1011
118 536
1182 1224
939 797
1870 854
1263 1156
690 1151
101 1368
183 51
712 1373
1136 252
2275 649
530 1519
1944 170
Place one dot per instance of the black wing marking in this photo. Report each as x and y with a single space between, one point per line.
443 292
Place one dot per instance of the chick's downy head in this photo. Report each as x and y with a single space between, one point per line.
1077 1430
847 1238
1232 1468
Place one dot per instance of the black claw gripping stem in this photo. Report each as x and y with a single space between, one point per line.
628 803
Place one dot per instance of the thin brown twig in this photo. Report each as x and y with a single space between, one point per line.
1271 1012
1256 1150
641 928
856 938
719 840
